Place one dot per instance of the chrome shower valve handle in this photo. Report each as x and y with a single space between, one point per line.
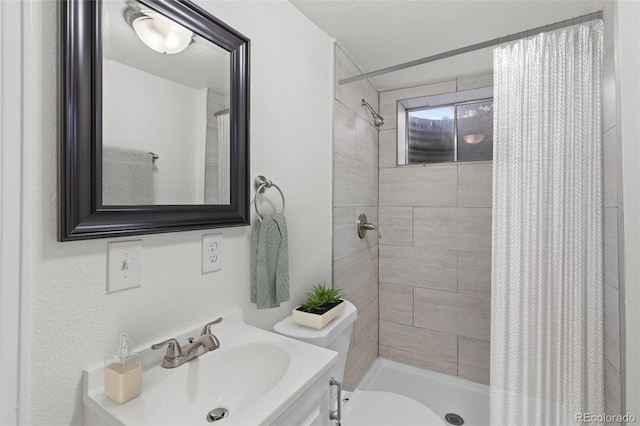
363 225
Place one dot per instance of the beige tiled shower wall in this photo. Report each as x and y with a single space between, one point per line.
355 191
613 364
435 255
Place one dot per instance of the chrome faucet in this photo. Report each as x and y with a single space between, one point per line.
177 355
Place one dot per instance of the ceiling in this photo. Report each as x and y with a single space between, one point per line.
120 43
382 33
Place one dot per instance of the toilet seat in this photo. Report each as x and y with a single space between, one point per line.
377 408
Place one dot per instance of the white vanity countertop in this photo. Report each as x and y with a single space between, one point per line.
255 374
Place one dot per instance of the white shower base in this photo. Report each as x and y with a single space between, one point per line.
442 393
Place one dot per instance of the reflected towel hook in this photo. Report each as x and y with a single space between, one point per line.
260 184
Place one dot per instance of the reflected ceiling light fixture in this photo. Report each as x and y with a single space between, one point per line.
157 31
473 138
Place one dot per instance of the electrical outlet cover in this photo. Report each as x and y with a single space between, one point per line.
211 253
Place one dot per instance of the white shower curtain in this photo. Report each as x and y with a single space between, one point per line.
223 159
547 260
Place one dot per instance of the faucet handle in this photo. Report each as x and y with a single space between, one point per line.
363 225
173 349
207 328
371 227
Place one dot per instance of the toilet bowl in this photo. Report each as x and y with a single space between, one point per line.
364 408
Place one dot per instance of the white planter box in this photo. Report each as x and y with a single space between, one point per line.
318 321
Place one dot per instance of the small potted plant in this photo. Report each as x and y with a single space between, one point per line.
320 307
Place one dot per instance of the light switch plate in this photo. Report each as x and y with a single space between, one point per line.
124 265
211 253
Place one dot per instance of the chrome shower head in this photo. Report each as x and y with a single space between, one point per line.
377 118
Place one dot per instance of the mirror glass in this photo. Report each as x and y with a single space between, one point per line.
165 111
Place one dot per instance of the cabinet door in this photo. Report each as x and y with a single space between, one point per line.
310 409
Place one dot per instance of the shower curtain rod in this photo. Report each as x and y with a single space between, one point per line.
477 46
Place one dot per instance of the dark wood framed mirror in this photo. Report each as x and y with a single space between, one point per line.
107 125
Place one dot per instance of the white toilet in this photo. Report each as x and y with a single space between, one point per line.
364 408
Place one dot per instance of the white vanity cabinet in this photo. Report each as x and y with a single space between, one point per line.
312 408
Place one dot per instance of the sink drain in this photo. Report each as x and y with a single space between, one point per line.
217 414
454 419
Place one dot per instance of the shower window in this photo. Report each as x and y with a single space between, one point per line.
458 130
474 133
430 135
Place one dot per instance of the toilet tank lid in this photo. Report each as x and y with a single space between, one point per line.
289 327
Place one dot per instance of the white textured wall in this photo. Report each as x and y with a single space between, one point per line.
627 70
73 322
137 116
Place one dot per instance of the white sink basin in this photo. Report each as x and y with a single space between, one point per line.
229 378
255 375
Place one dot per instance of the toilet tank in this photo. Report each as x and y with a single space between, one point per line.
335 336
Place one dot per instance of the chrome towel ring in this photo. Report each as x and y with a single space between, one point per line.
260 184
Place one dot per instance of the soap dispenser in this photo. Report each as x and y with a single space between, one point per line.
123 373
